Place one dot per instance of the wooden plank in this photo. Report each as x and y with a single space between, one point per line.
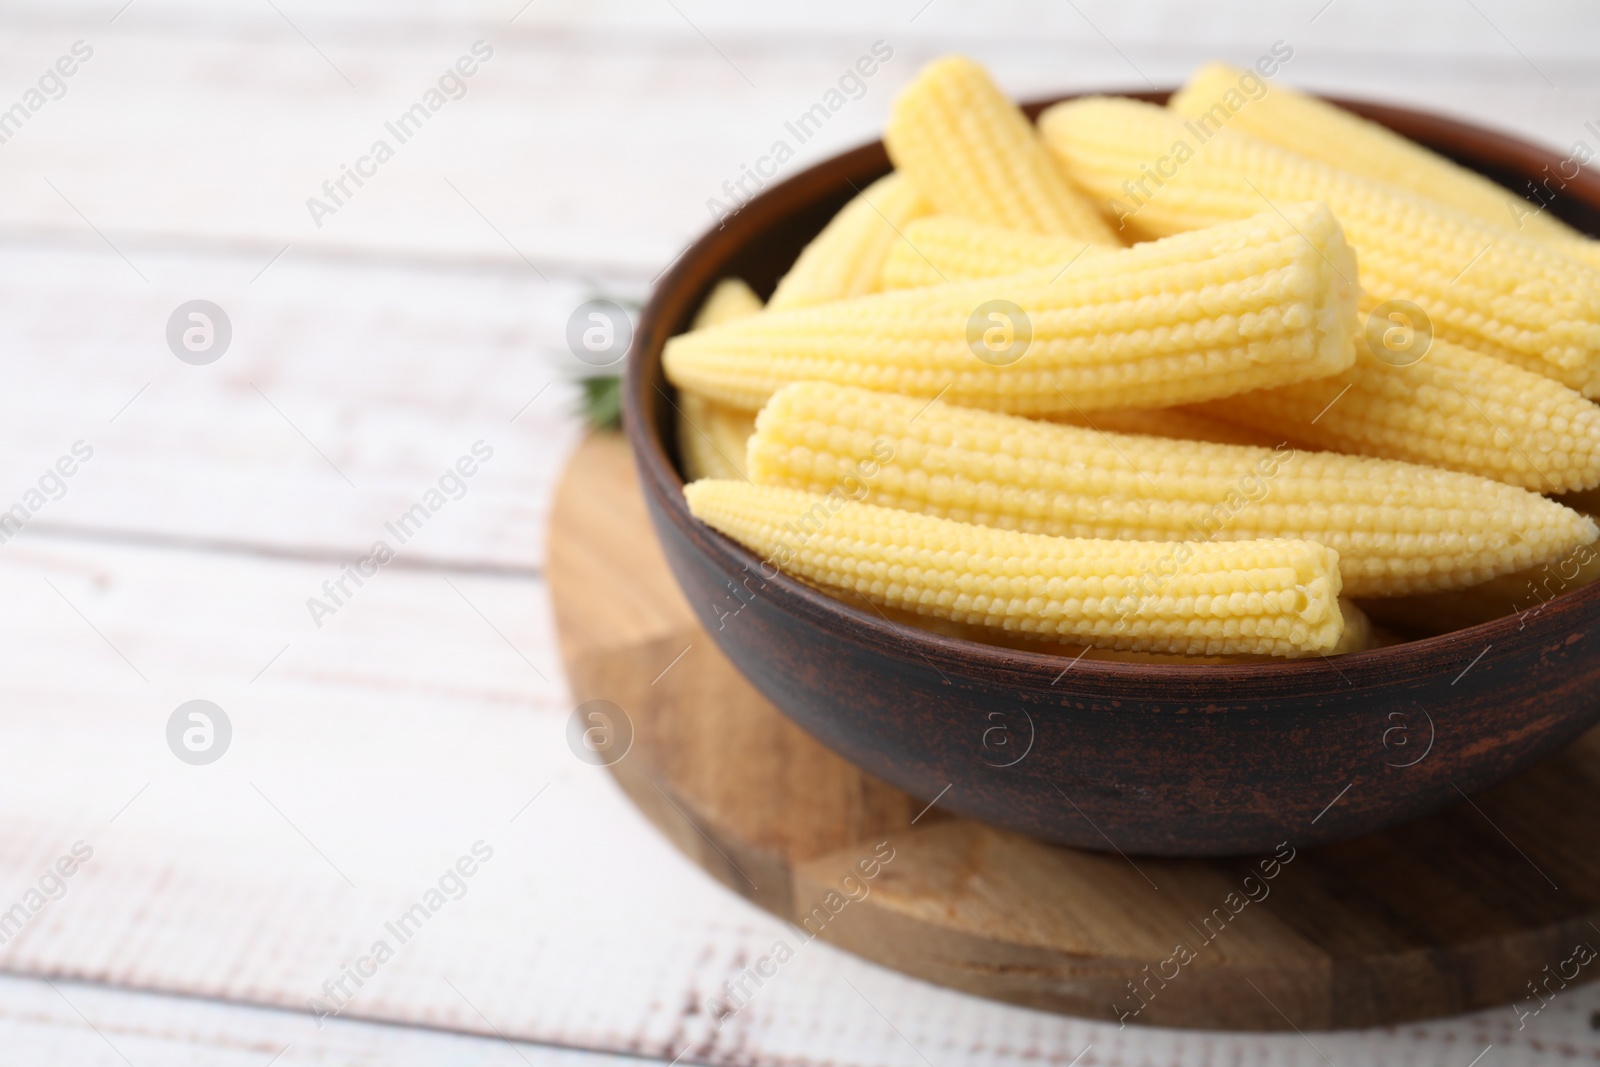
590 144
97 1026
379 749
347 393
1544 32
369 757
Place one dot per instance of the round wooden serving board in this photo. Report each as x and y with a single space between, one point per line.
1476 906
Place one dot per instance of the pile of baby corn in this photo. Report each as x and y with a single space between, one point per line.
1173 382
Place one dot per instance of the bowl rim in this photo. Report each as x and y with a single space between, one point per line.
909 644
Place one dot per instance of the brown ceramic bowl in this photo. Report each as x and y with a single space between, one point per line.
1142 758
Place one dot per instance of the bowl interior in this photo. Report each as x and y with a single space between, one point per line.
760 242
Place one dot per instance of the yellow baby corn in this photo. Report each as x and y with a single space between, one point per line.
1482 286
1453 408
1329 133
1247 305
1359 636
947 248
1277 597
1398 528
730 299
846 258
1524 594
973 153
1178 424
712 436
1359 633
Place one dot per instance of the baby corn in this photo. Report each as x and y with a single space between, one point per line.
1482 286
973 153
1248 305
947 248
1329 133
1398 528
712 436
1278 597
1524 594
846 258
1177 424
731 298
1359 636
1453 408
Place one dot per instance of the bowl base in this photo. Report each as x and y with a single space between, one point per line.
1446 914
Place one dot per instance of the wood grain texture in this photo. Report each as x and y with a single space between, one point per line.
612 590
1453 912
189 143
331 414
88 1025
221 120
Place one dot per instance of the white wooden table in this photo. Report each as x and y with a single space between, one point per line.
424 315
